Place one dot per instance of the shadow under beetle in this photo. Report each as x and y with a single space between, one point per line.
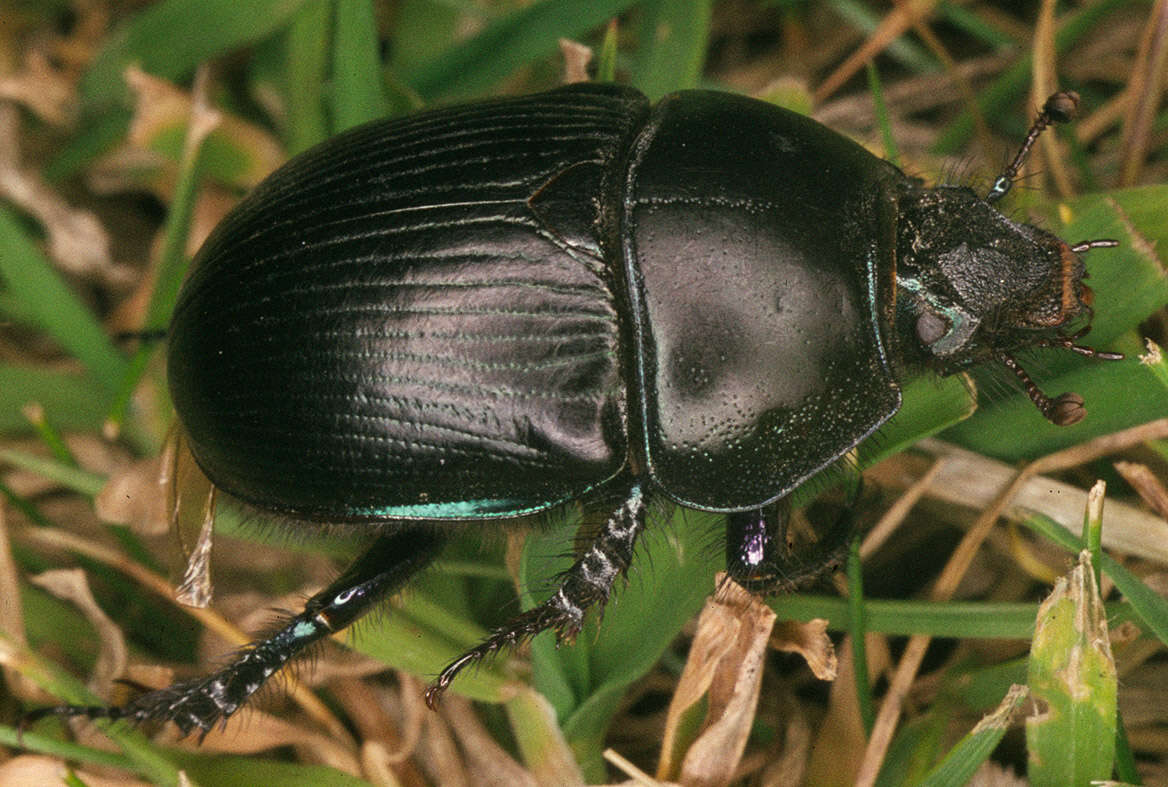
486 311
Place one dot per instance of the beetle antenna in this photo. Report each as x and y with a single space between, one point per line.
1087 245
1059 108
1063 410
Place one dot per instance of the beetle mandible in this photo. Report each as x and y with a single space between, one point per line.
486 311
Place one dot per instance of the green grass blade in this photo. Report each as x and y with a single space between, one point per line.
306 44
173 262
959 765
358 94
507 43
65 474
420 636
170 38
1071 738
975 619
72 402
228 770
673 46
1147 606
43 295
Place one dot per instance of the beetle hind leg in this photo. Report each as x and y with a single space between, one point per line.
203 702
589 581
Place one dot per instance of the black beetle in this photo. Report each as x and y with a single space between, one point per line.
486 311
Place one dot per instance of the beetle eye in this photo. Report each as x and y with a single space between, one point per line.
931 328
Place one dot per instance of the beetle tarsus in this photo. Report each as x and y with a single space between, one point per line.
588 582
1100 243
1068 343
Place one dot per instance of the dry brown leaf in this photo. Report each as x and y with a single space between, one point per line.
77 241
376 764
34 769
725 666
1150 488
486 761
48 92
576 59
12 612
132 496
161 107
253 731
439 754
790 767
840 739
809 640
72 585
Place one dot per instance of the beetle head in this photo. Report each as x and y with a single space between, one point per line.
979 282
974 286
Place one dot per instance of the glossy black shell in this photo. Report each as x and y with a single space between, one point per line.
491 309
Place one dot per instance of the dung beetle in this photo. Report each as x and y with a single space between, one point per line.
486 311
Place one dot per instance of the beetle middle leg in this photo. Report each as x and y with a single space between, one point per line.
759 558
589 581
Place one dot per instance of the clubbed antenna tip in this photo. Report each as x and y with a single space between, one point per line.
1059 108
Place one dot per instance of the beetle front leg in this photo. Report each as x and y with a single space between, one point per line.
589 581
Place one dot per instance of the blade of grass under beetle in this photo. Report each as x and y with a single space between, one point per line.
1129 281
419 636
672 574
547 553
1129 285
929 405
1119 394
